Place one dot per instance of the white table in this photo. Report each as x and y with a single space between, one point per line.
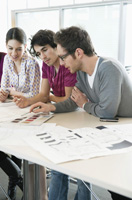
110 172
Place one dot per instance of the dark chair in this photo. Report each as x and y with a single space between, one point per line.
2 55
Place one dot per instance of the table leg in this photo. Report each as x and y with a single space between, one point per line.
37 176
25 180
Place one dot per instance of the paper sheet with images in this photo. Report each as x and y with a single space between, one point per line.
9 111
14 134
32 119
62 144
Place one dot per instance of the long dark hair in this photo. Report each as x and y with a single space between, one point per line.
18 34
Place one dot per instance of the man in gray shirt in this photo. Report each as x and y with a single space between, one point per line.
103 87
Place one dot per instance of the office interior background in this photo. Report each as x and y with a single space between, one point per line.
107 22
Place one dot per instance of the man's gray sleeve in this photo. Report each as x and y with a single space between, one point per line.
65 106
110 81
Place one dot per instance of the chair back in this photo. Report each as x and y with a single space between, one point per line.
2 55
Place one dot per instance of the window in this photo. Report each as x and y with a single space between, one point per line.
102 24
128 41
128 36
3 25
102 19
31 22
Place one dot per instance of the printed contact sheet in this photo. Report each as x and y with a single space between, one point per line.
32 119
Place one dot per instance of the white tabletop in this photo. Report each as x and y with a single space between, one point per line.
110 172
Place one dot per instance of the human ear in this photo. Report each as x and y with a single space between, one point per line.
79 52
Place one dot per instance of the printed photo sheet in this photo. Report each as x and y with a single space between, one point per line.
61 144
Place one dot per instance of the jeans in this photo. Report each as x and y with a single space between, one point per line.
59 185
82 192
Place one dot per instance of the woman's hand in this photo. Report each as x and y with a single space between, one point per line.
13 92
21 101
3 95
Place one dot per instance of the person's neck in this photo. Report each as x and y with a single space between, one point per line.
57 65
17 66
89 64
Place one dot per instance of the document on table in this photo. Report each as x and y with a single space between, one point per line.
14 134
9 111
32 119
61 144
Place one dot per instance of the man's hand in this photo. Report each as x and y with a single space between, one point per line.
78 97
42 107
21 101
3 95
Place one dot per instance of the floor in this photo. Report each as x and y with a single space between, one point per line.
101 193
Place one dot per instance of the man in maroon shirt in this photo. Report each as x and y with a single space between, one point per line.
56 85
55 77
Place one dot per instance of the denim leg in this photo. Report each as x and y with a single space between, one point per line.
58 189
82 193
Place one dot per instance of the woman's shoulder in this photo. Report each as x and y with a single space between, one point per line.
7 59
29 59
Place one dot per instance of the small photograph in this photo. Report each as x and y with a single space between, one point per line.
33 119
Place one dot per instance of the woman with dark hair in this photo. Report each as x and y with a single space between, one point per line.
21 75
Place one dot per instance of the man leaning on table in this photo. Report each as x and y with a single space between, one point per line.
103 88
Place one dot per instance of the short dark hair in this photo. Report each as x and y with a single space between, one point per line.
42 38
16 33
74 37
